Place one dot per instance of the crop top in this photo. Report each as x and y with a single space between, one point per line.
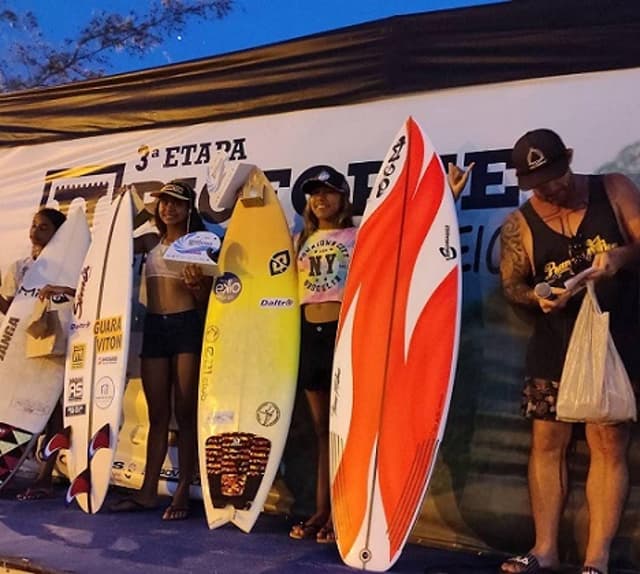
323 262
156 266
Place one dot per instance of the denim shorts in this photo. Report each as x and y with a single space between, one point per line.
317 343
172 334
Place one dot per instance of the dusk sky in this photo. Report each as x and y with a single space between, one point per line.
252 23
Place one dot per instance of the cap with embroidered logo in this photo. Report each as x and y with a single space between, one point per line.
325 176
177 189
539 156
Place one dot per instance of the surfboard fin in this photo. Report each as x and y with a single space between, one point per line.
213 255
56 442
101 439
81 485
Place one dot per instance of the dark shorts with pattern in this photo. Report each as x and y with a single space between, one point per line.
539 398
317 343
169 335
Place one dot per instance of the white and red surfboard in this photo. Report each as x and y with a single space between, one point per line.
396 354
96 364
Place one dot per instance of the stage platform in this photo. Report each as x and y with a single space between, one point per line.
47 536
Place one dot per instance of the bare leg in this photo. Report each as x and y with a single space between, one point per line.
43 484
319 407
186 396
54 425
156 382
607 485
547 489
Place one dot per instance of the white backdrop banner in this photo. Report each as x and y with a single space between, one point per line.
595 113
478 496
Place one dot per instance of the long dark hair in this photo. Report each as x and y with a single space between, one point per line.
194 221
343 219
57 218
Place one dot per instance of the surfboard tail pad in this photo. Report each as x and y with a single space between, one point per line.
236 463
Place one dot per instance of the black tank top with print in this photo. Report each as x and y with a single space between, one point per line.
556 258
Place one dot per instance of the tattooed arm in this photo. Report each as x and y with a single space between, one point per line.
515 265
625 200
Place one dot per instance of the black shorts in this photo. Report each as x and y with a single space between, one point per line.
169 335
317 343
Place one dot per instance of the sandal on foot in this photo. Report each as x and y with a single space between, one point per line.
35 493
326 535
175 513
130 505
304 531
591 570
527 564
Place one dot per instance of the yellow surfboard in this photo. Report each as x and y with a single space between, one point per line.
249 359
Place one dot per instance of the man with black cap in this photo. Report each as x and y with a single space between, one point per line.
571 223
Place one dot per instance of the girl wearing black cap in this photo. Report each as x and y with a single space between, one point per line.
324 249
170 349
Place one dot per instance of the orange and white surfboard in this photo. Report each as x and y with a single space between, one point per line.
396 353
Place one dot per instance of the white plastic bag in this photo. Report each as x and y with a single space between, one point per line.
594 386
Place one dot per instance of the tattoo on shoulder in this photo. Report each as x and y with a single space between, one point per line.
515 269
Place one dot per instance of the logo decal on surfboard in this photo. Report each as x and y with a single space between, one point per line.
108 334
276 302
227 287
212 333
75 389
77 356
279 262
335 390
75 410
79 326
448 251
105 391
77 304
108 360
389 169
7 335
268 414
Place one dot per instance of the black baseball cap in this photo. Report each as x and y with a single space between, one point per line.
539 156
177 189
325 176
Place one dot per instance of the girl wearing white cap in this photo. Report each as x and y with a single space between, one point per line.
171 350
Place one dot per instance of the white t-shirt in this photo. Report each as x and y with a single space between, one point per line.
13 277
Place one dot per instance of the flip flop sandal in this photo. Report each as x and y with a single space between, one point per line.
175 513
326 535
591 570
304 531
527 563
35 494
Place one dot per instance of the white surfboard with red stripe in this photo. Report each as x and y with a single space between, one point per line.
396 353
95 370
